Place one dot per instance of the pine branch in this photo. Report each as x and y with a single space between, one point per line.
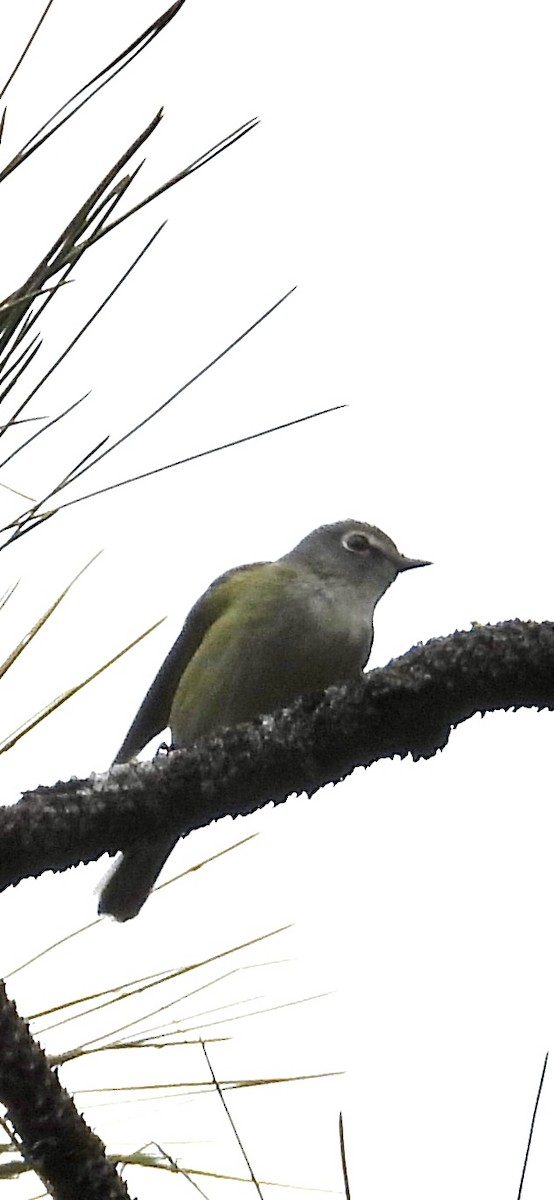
408 707
54 1139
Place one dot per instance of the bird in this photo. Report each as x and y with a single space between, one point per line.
262 635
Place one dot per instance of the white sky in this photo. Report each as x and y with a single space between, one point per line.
402 178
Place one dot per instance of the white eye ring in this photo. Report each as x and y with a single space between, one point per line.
356 542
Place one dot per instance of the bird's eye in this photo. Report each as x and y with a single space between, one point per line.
358 543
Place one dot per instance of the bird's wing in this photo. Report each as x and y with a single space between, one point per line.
153 714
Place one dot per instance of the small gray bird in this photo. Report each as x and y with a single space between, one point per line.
259 637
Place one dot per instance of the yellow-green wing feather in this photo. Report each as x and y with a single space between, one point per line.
153 714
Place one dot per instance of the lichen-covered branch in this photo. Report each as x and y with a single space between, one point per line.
408 707
54 1139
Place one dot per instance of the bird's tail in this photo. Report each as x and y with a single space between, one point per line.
132 878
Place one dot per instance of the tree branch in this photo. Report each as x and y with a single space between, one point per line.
408 707
55 1141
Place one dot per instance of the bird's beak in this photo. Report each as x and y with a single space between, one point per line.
407 564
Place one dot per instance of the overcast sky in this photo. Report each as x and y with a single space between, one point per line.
401 177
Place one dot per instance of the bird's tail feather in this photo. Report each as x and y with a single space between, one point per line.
132 878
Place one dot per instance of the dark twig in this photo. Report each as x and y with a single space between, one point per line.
343 1159
231 1121
530 1138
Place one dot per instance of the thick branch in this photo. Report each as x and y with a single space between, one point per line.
54 1139
408 707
